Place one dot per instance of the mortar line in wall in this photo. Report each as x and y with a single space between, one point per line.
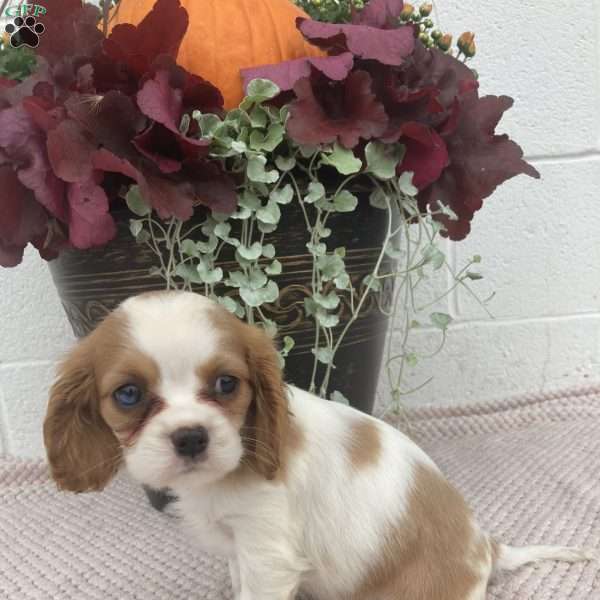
570 157
461 324
4 440
26 363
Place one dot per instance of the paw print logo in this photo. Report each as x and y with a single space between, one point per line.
25 32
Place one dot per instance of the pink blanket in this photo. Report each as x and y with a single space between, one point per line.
530 467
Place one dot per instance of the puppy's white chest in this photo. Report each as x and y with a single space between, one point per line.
208 530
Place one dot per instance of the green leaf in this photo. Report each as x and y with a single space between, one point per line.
319 249
343 160
255 170
377 199
135 226
189 248
324 355
241 214
440 320
473 276
250 200
256 279
229 303
433 255
269 213
260 90
326 319
268 251
342 282
274 268
322 232
316 191
258 117
382 159
236 279
330 266
412 359
283 195
267 141
405 184
222 230
288 345
373 282
209 275
254 298
250 253
285 163
270 327
266 227
188 273
310 307
345 202
136 204
208 123
339 398
307 151
329 302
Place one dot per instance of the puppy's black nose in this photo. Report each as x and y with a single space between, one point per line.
190 441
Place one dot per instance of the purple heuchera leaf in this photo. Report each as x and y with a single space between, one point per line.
21 218
90 223
480 161
69 152
345 112
160 32
287 73
387 46
383 14
426 154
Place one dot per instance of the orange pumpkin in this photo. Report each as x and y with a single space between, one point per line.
225 36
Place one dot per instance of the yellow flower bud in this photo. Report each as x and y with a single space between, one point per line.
426 9
466 43
407 11
445 42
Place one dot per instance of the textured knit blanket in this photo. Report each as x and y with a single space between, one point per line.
530 467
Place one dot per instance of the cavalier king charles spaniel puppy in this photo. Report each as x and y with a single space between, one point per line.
300 494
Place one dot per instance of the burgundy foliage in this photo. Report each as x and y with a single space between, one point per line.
393 89
95 107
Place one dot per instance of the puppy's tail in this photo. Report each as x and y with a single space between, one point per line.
509 558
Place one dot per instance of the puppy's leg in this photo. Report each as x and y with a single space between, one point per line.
269 572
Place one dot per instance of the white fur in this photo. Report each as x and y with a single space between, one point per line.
321 527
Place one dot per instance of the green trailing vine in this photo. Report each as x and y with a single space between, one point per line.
274 172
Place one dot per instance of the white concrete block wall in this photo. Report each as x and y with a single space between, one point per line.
540 240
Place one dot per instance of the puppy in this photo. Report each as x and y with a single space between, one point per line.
300 494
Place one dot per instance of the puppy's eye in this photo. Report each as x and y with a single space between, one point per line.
226 384
128 396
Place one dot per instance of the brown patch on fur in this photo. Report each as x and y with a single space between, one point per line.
434 552
79 430
364 444
266 419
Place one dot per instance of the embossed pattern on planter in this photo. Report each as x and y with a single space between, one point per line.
93 282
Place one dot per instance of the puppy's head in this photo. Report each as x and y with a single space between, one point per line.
175 386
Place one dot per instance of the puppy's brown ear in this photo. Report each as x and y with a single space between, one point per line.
268 417
82 450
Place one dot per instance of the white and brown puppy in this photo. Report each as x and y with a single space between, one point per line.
298 493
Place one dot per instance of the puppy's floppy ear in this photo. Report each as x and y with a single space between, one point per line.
268 417
82 450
